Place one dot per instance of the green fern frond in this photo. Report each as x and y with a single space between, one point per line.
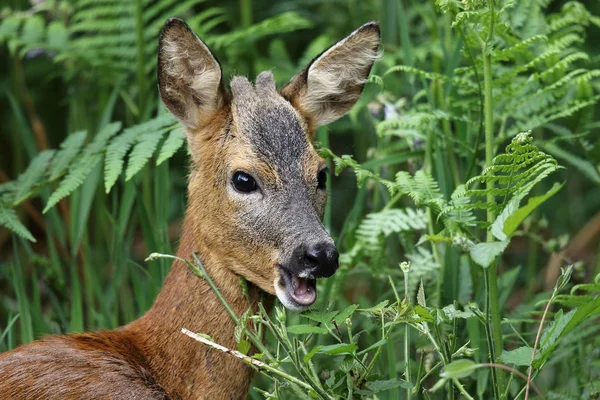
514 173
174 141
423 267
143 150
118 148
376 226
282 23
70 147
33 175
421 188
83 165
9 219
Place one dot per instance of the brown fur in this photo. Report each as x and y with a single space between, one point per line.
236 235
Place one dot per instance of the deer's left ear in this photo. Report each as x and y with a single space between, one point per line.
330 85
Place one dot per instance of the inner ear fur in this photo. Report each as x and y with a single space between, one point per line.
189 76
332 83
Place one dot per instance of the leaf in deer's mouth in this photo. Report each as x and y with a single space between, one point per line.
302 291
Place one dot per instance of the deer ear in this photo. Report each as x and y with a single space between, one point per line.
330 85
189 75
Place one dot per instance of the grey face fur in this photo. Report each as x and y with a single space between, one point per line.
287 209
273 235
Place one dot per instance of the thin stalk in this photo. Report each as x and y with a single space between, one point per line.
252 361
462 389
407 336
140 56
535 345
491 273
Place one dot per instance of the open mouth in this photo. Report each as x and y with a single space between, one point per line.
298 292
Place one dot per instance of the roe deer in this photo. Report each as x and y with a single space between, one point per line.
256 199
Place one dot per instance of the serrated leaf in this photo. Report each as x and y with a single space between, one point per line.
423 313
421 295
70 147
118 148
142 151
347 312
33 175
336 349
459 369
511 216
324 317
83 165
380 386
375 345
171 145
304 329
520 356
485 253
9 219
515 219
311 353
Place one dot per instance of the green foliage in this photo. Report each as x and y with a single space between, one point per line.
456 144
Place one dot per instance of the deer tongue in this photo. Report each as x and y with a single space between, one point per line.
303 291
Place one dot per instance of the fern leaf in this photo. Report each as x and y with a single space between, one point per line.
171 145
9 219
282 23
118 148
422 188
69 149
32 176
83 165
384 223
142 151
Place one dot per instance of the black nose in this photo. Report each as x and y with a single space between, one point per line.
323 257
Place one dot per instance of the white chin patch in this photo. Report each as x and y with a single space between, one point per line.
283 297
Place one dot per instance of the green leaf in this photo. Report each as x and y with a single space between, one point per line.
304 329
520 356
561 326
336 349
424 313
380 386
510 218
69 149
459 369
83 165
171 145
375 345
311 353
142 151
584 166
485 253
8 219
346 313
33 175
118 148
324 317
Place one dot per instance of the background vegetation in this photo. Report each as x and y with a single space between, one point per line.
451 264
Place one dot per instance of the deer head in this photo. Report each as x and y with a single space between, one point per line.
257 187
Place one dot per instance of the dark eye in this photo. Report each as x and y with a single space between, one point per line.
242 182
322 178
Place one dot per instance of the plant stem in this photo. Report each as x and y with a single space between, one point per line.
407 338
257 363
140 57
535 345
491 272
462 389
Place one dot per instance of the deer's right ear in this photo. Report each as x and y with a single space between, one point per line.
189 75
330 85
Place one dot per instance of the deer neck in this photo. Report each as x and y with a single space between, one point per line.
185 367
